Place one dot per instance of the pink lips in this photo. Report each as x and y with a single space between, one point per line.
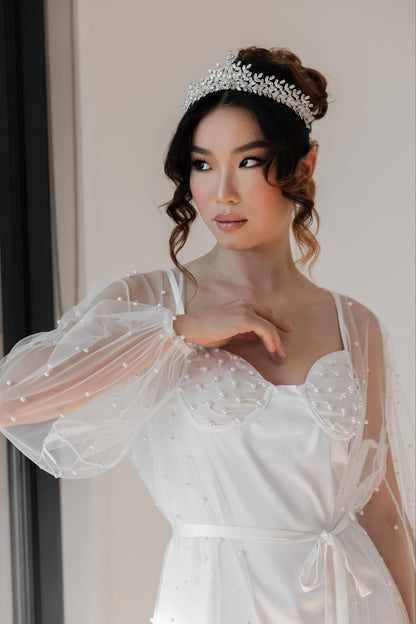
230 222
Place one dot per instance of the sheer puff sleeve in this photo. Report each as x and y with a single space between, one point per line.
381 471
74 398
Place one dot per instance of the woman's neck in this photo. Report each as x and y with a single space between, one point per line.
250 270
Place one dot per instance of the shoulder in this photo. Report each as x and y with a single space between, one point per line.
363 317
152 287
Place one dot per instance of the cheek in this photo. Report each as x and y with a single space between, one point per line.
261 192
200 190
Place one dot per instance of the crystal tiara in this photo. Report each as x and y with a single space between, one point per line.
239 77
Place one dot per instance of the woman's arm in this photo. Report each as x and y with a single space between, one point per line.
385 516
98 344
385 528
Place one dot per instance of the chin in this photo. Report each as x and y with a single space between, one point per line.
237 245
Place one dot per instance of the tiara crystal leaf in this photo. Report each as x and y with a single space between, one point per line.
238 77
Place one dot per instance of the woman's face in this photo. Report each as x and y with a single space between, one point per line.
227 182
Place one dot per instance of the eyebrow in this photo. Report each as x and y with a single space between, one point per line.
237 150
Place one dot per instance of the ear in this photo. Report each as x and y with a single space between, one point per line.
306 165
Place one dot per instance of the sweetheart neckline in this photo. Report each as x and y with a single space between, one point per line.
178 287
276 386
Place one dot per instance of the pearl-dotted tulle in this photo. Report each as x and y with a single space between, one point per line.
216 444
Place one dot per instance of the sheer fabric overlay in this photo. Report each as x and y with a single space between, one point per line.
73 399
77 399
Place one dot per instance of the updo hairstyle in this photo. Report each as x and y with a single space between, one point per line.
285 131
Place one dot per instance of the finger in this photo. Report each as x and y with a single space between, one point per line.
247 336
269 335
279 348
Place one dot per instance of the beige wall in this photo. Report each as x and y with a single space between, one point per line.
130 63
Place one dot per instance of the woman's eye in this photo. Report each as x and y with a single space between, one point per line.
253 159
199 165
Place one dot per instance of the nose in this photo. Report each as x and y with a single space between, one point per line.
227 192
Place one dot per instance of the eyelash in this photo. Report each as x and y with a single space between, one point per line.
196 162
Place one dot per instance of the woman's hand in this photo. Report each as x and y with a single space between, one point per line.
217 325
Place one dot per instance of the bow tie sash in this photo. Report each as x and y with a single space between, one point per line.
328 562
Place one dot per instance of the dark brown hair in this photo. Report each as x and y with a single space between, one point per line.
285 131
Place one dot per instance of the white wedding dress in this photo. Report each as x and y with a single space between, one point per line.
261 483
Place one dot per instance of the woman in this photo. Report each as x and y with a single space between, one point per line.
261 410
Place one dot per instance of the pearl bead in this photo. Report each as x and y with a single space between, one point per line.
22 399
220 362
86 350
180 388
163 292
156 371
238 419
396 528
223 394
349 303
216 378
199 386
119 298
226 410
87 394
204 368
207 355
46 374
77 348
192 406
209 403
316 389
331 389
13 418
260 402
125 365
251 372
173 317
186 376
9 382
135 303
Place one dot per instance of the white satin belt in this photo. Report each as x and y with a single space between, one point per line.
317 567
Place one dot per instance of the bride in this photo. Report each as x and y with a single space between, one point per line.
259 408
